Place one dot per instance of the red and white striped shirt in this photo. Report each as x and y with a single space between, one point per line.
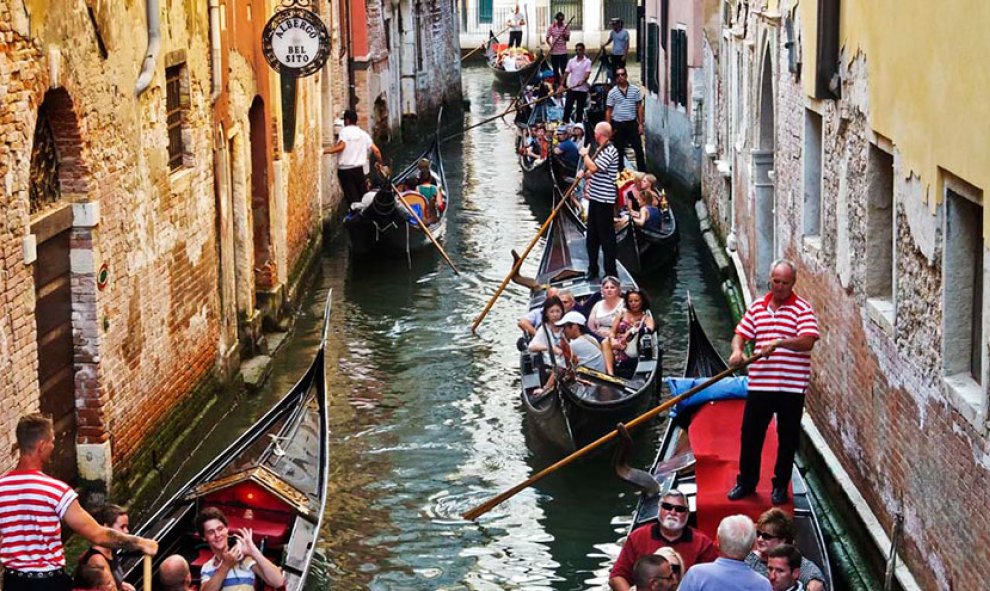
32 505
784 370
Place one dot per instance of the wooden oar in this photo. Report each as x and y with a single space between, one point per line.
518 263
485 44
495 501
419 220
602 376
146 579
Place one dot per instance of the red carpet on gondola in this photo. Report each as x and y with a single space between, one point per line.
714 435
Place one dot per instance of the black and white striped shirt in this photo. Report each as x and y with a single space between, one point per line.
624 104
601 185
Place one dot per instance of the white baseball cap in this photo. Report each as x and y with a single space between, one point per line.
572 317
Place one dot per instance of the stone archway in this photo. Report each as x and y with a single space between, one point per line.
763 157
67 374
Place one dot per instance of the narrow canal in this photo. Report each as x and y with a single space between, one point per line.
425 418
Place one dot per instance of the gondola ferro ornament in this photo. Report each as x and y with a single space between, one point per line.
295 41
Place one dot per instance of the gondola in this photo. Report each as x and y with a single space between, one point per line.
578 411
645 250
383 225
272 479
699 455
509 77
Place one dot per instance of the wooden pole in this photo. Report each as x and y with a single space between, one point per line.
519 262
495 501
483 45
146 578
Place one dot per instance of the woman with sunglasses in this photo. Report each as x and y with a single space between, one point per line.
607 310
620 348
776 528
675 561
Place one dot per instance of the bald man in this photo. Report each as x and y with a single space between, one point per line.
601 172
175 575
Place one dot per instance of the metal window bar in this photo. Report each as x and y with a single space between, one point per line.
173 115
570 8
622 9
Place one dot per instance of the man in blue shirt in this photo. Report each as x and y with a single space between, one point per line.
729 572
619 39
566 150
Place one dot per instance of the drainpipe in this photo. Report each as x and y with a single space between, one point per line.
154 44
215 55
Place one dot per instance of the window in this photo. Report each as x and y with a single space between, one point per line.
812 174
484 11
176 106
652 65
880 224
678 67
963 283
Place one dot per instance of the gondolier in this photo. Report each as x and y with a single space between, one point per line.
785 330
558 34
578 72
515 22
600 189
353 145
624 110
33 506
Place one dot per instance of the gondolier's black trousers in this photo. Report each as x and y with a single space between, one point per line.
601 235
559 65
515 38
352 183
626 133
760 408
575 98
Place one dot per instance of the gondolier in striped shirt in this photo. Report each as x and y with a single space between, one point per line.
624 110
785 330
601 172
32 508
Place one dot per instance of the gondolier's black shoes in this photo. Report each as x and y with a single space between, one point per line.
778 496
739 491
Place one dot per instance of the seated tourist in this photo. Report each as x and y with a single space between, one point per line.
532 320
670 530
174 574
621 347
728 573
648 214
566 150
607 310
434 196
553 310
676 562
90 577
536 147
115 517
653 573
776 528
784 568
584 349
233 567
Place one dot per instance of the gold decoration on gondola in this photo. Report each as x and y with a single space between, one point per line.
264 477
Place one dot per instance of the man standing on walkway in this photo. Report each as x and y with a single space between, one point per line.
353 145
33 506
624 110
558 35
578 71
619 39
785 330
515 22
600 190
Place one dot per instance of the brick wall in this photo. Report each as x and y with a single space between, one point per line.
876 389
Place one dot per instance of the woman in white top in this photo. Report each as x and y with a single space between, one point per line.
610 307
553 310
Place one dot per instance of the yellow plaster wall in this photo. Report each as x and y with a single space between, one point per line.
928 81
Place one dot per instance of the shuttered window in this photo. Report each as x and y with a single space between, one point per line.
652 66
678 67
174 105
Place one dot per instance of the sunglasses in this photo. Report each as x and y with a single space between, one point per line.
766 536
620 73
673 507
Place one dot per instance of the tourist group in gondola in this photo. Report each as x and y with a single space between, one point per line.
717 509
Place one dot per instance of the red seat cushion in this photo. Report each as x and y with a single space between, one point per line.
205 554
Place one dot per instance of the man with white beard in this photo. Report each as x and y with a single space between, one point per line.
671 529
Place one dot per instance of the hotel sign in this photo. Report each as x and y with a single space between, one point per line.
295 42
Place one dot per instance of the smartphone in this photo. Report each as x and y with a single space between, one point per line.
231 542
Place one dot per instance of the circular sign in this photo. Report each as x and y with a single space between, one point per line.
295 42
102 276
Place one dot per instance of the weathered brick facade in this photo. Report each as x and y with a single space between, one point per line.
880 390
177 240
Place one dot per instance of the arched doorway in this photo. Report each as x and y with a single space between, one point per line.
55 141
264 271
763 183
